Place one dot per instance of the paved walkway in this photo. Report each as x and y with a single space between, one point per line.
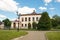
33 35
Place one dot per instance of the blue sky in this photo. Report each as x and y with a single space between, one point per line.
8 8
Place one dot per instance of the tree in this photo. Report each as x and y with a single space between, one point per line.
55 21
44 22
34 24
29 26
57 18
7 23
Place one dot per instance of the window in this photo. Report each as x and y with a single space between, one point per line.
26 19
22 25
33 18
29 19
14 25
25 25
22 19
36 18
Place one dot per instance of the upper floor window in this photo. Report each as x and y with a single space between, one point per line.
29 19
33 19
36 18
22 19
26 19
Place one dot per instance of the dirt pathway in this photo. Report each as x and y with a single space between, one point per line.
33 35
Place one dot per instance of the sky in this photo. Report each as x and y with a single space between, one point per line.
8 8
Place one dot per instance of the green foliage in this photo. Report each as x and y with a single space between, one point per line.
57 18
44 22
58 27
55 21
7 23
34 24
29 26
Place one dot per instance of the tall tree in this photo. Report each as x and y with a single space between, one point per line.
7 23
44 22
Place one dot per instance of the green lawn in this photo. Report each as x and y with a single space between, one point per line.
10 34
53 35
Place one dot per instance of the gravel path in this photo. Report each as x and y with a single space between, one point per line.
33 35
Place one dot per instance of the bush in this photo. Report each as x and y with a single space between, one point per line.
54 23
34 24
58 27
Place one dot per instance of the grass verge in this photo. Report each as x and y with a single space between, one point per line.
10 34
53 35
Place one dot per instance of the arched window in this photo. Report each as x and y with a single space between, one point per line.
29 26
14 25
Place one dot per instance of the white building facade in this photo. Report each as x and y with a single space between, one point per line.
25 19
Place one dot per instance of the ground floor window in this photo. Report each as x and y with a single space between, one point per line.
22 25
25 25
14 25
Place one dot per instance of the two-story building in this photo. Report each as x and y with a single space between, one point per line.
25 19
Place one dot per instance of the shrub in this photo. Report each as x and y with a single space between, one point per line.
34 24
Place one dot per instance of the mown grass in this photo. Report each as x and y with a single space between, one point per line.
10 34
53 35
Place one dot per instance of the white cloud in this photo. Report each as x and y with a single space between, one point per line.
47 1
12 19
42 8
46 4
2 17
26 10
51 8
8 5
57 0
